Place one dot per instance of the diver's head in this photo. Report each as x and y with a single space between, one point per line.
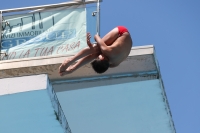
100 64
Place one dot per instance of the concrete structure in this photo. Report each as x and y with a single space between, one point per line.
26 106
128 98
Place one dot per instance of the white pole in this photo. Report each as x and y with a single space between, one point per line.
1 23
98 18
0 29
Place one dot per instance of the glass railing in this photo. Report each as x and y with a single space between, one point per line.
58 31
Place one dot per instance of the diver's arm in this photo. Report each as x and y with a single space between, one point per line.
104 48
79 64
85 52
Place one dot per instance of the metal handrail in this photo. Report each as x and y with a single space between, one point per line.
50 6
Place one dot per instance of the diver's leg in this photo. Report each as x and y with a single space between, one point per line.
111 36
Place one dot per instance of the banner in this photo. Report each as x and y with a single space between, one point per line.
44 33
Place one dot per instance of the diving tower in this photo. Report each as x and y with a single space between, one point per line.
35 98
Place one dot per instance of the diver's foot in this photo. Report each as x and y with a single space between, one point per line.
67 71
65 65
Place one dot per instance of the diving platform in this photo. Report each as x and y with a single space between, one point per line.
140 60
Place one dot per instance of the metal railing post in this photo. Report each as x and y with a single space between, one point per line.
0 31
0 26
1 21
98 18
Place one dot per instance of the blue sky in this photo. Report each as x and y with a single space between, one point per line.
173 27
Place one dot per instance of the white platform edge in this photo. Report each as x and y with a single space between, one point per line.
23 84
37 61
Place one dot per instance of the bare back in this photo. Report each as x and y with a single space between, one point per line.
115 45
120 49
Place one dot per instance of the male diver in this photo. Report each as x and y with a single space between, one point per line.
109 51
